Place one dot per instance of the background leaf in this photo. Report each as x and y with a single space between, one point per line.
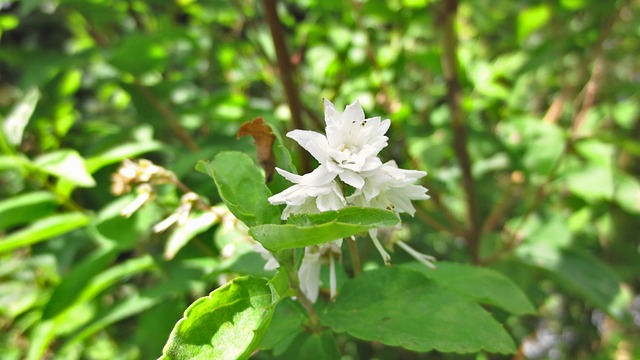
489 287
401 307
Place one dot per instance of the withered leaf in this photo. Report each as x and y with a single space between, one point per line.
264 138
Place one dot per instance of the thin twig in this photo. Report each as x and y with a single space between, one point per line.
287 70
166 113
355 257
592 87
454 99
424 216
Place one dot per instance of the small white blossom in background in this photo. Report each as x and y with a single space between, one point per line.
139 177
348 156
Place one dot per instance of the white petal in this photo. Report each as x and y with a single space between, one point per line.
294 178
309 275
331 115
352 179
315 143
353 112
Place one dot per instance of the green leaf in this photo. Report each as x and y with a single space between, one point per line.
43 229
139 53
24 208
17 120
241 186
401 307
227 324
132 305
287 321
531 19
314 229
489 287
67 165
119 153
351 215
580 272
322 346
73 283
591 183
181 235
13 162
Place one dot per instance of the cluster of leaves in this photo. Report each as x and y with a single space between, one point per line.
549 94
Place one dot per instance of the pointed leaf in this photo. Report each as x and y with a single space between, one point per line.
43 229
25 208
489 287
227 324
314 229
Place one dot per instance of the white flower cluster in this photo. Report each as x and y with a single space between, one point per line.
348 156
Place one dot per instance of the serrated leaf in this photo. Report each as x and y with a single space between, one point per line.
242 188
24 208
401 307
43 229
227 324
350 215
315 229
489 287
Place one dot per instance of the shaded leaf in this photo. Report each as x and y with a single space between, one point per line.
580 272
489 287
43 229
24 208
73 283
401 307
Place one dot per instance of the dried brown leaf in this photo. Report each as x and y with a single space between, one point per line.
264 138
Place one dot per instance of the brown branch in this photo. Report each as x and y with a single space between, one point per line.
593 85
286 69
356 264
454 99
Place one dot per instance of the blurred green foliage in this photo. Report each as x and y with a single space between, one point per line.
551 103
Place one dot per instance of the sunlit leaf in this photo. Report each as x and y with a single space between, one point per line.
314 229
227 324
67 165
241 186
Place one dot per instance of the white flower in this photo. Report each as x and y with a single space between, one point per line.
309 272
312 192
390 188
351 144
